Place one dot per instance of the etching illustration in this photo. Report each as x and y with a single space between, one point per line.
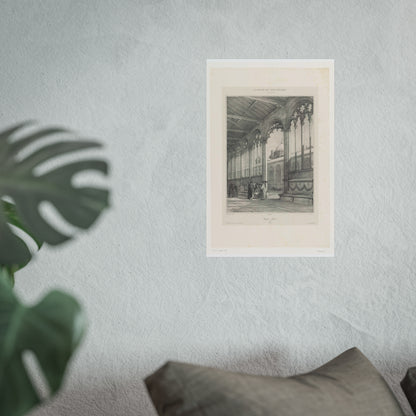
270 154
270 158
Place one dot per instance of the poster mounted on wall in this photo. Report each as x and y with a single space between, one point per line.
270 168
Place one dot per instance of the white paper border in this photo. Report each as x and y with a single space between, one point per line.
266 250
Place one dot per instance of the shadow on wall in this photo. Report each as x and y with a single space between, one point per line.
104 398
111 395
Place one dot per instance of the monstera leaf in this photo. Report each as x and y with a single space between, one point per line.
11 216
21 182
52 329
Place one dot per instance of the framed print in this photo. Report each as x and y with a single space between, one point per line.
270 158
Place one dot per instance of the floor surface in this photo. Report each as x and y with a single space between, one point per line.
266 205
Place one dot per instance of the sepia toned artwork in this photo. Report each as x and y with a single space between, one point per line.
269 154
270 158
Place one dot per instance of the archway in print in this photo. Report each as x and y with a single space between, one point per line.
270 153
275 160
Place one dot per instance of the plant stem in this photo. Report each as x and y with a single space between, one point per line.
7 275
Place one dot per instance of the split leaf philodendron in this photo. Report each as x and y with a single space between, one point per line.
31 173
51 329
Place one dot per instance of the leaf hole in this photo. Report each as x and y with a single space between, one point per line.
36 375
27 239
64 159
38 144
50 214
89 178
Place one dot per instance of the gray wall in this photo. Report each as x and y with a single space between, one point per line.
132 73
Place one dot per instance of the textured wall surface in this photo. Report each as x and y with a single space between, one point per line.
132 73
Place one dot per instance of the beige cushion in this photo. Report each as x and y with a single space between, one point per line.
349 385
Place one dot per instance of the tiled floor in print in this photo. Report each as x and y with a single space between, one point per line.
266 205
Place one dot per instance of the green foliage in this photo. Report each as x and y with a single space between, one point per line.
19 181
53 328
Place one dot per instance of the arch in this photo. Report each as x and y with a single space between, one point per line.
300 120
255 154
274 123
255 135
275 142
295 102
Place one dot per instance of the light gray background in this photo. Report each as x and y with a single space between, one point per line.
132 73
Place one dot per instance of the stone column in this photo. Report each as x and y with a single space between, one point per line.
302 147
286 133
264 163
296 149
310 140
250 161
263 160
234 166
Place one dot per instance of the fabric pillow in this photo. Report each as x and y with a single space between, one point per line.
349 385
409 387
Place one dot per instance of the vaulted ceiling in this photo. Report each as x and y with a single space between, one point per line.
245 113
